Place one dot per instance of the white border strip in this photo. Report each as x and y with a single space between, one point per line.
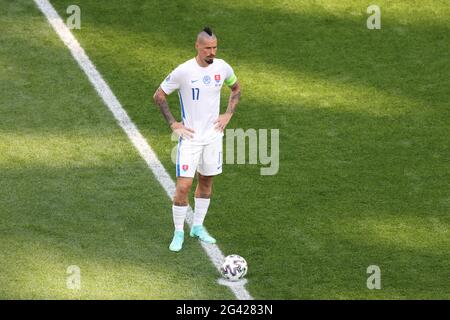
215 255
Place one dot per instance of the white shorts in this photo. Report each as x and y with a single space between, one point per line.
206 159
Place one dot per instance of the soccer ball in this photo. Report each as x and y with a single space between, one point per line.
234 267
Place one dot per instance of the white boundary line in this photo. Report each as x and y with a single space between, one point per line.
215 255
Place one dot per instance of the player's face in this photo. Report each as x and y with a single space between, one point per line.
206 50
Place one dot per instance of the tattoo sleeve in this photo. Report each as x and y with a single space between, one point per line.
234 99
161 101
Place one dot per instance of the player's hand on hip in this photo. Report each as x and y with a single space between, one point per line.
222 121
181 131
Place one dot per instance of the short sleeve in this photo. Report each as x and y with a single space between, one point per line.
230 77
172 82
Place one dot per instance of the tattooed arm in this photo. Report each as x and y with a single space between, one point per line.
235 95
160 99
234 98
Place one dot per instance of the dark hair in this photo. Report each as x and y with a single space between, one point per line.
208 31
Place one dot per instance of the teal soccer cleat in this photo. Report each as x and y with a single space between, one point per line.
200 232
177 241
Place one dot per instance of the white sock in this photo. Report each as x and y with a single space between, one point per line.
179 215
201 207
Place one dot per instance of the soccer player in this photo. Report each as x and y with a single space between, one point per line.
198 81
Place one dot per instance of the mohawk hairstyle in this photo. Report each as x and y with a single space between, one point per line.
208 31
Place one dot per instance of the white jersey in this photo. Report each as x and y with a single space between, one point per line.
199 92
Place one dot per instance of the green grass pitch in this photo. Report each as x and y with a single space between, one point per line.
364 120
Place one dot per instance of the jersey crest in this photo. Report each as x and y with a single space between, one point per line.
206 79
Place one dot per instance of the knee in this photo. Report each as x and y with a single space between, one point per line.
183 189
205 182
204 187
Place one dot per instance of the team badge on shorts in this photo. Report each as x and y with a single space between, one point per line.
206 79
184 167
